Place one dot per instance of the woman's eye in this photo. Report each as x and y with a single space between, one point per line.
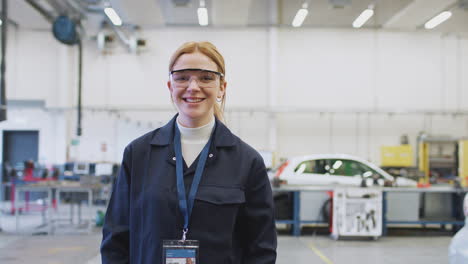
180 78
207 77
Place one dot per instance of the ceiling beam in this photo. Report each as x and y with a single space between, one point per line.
44 12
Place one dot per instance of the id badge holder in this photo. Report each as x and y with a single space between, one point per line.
180 251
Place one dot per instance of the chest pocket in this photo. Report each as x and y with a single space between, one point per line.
219 195
216 210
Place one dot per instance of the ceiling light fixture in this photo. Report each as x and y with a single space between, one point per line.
202 14
437 20
1 22
300 16
363 17
112 15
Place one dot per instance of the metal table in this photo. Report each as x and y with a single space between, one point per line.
434 189
48 218
46 215
296 222
74 190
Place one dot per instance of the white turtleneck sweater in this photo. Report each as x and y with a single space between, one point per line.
194 139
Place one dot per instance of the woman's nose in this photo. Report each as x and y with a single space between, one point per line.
193 84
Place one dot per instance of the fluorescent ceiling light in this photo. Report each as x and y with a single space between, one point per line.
437 20
300 17
202 16
112 15
1 22
363 17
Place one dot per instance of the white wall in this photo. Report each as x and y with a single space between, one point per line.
123 79
51 127
317 69
32 66
342 70
370 69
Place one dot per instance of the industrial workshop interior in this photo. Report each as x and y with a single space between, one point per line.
364 162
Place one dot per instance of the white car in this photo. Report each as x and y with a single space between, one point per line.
335 169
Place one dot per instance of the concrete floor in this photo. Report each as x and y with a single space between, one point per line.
84 249
57 249
74 245
386 250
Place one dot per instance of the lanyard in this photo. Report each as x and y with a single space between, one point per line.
185 204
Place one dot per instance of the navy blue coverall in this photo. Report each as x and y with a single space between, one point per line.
233 216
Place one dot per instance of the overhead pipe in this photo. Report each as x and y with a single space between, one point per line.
46 14
77 8
87 8
123 38
57 6
63 10
80 75
3 113
65 7
98 8
3 110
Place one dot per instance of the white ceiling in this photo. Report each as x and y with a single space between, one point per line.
389 14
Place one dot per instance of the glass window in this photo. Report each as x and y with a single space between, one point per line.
320 166
367 171
305 167
353 168
344 167
336 167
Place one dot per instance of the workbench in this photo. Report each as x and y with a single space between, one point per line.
296 220
50 214
76 202
46 206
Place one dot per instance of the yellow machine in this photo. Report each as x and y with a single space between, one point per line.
463 162
439 157
423 160
396 156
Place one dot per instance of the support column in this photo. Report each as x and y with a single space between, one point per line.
272 88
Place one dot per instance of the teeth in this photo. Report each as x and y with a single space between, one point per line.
193 100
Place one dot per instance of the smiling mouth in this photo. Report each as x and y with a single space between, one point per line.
193 100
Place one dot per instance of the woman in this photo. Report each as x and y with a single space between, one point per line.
192 179
458 248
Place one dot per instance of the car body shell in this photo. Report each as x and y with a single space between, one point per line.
294 172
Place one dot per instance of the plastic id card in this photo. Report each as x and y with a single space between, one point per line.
180 252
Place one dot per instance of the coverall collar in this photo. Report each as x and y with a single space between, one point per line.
165 135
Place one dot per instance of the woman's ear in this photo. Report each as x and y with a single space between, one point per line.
169 86
222 89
